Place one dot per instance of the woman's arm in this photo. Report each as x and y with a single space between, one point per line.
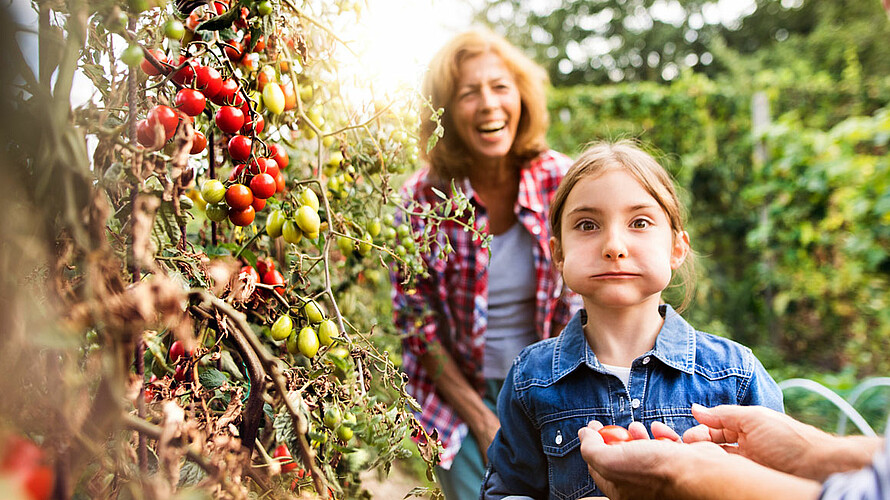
457 391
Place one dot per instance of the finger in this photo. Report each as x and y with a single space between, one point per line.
637 431
662 430
700 432
590 437
724 421
595 425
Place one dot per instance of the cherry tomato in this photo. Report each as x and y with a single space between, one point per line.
291 232
279 154
229 119
290 97
266 75
132 56
313 312
150 134
282 454
258 203
213 191
614 434
182 373
253 125
265 265
174 30
186 75
260 44
263 186
226 95
276 279
218 212
177 351
251 273
199 143
264 165
149 68
234 50
23 461
327 330
264 8
243 217
166 117
237 172
307 342
239 196
239 148
190 101
275 223
273 98
280 183
308 197
282 327
208 80
308 220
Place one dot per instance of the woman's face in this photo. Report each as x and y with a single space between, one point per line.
486 106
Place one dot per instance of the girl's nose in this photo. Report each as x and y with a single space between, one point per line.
614 247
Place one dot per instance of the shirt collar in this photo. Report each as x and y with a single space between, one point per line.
674 346
528 197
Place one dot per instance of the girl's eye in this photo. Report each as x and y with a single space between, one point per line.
640 224
586 225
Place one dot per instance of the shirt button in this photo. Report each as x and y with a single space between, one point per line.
558 437
646 360
536 229
635 403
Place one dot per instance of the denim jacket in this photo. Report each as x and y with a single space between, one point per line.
557 386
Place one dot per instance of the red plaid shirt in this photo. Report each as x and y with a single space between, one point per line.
451 305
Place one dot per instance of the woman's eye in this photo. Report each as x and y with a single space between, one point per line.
640 224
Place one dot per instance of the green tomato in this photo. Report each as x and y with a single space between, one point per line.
308 219
345 433
275 223
327 330
308 197
282 327
291 344
217 212
373 227
313 312
364 246
213 191
307 342
264 8
174 30
332 417
291 232
346 245
132 56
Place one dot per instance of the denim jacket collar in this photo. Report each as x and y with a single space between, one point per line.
674 346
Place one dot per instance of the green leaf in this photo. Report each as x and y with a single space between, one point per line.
211 378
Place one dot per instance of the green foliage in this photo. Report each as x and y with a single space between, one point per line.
791 252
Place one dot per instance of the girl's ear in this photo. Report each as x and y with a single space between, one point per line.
680 250
556 253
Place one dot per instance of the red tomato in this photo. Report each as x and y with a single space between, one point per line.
193 20
282 454
265 265
226 95
220 7
239 148
149 68
237 171
166 117
280 182
185 75
190 101
279 154
264 165
263 186
182 373
199 143
208 80
229 119
177 351
258 203
150 134
239 196
263 77
23 462
253 125
614 434
260 45
251 273
234 50
274 278
243 217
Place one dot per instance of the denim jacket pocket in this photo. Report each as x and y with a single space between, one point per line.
566 470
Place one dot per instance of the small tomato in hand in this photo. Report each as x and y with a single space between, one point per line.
614 434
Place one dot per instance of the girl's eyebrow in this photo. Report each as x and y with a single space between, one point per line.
597 211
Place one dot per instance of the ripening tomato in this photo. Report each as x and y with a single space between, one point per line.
263 186
290 97
217 212
190 101
282 455
243 217
280 183
614 434
239 196
166 117
273 98
229 119
208 80
279 154
258 204
239 148
182 373
148 68
213 191
291 232
266 75
199 143
260 44
265 265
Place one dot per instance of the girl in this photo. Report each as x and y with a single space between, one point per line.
617 238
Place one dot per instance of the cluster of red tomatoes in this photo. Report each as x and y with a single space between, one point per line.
22 463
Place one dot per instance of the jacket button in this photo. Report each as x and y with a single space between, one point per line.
635 403
558 439
646 360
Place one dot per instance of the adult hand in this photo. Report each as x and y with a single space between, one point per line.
642 468
778 441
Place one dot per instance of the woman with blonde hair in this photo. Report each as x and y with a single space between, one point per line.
465 322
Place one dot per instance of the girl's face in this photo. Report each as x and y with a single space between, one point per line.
486 106
617 247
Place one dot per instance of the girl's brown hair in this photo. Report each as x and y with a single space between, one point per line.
449 158
626 155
